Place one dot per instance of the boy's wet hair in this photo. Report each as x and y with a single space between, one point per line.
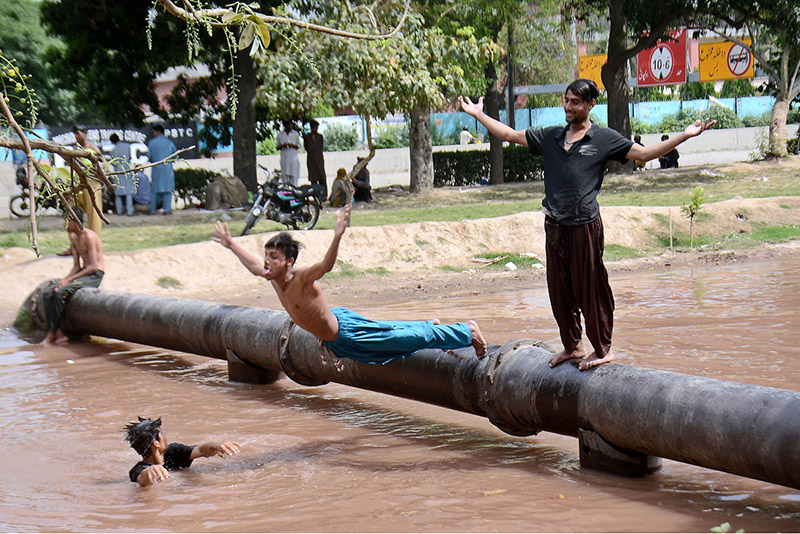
78 213
286 244
142 434
586 89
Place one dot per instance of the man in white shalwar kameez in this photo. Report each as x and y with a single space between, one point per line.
288 141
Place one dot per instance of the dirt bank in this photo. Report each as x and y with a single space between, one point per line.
419 260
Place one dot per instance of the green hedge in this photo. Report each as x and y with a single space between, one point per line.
470 167
191 183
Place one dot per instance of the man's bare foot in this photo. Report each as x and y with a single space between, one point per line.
593 361
436 321
477 339
50 339
577 353
61 339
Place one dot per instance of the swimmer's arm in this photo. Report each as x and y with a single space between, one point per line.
207 450
318 270
223 236
152 474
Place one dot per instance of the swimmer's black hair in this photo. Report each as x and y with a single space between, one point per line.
142 434
286 244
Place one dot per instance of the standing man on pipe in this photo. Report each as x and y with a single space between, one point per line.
343 332
575 158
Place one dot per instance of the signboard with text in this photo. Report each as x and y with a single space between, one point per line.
665 63
589 68
725 60
183 135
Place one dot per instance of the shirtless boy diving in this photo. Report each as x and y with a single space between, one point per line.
344 332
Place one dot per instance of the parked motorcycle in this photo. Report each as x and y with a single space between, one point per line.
20 203
296 207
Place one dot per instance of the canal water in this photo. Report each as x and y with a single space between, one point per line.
339 459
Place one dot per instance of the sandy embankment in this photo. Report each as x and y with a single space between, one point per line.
414 254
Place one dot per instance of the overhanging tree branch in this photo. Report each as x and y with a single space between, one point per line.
218 16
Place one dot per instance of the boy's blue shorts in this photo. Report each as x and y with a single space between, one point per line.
370 341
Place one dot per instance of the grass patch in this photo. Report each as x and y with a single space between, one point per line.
343 270
656 188
24 322
618 252
380 271
522 262
169 282
449 269
776 234
421 242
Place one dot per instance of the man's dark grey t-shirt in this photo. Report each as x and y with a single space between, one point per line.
572 179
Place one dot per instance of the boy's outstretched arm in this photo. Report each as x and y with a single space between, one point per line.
318 270
207 450
223 236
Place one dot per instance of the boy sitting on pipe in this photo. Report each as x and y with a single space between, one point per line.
341 331
158 458
87 271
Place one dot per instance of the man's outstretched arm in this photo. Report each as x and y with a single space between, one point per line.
223 236
495 127
647 153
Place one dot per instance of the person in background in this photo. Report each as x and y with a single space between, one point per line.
159 458
314 144
288 142
466 137
638 165
121 161
341 190
159 148
142 188
363 192
93 220
670 159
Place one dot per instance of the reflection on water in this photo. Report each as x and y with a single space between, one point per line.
339 459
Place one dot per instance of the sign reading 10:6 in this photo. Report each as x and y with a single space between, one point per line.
664 63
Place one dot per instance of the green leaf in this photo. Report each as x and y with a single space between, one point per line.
263 33
247 36
232 17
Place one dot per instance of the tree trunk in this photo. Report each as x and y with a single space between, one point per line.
777 128
244 124
492 104
420 149
615 77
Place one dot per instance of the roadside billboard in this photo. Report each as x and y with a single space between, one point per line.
725 60
589 67
664 63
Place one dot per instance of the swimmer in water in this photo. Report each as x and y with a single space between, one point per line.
158 457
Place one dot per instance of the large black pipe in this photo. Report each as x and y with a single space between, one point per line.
748 430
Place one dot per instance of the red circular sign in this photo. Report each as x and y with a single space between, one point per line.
739 60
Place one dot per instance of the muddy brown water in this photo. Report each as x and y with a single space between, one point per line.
339 459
